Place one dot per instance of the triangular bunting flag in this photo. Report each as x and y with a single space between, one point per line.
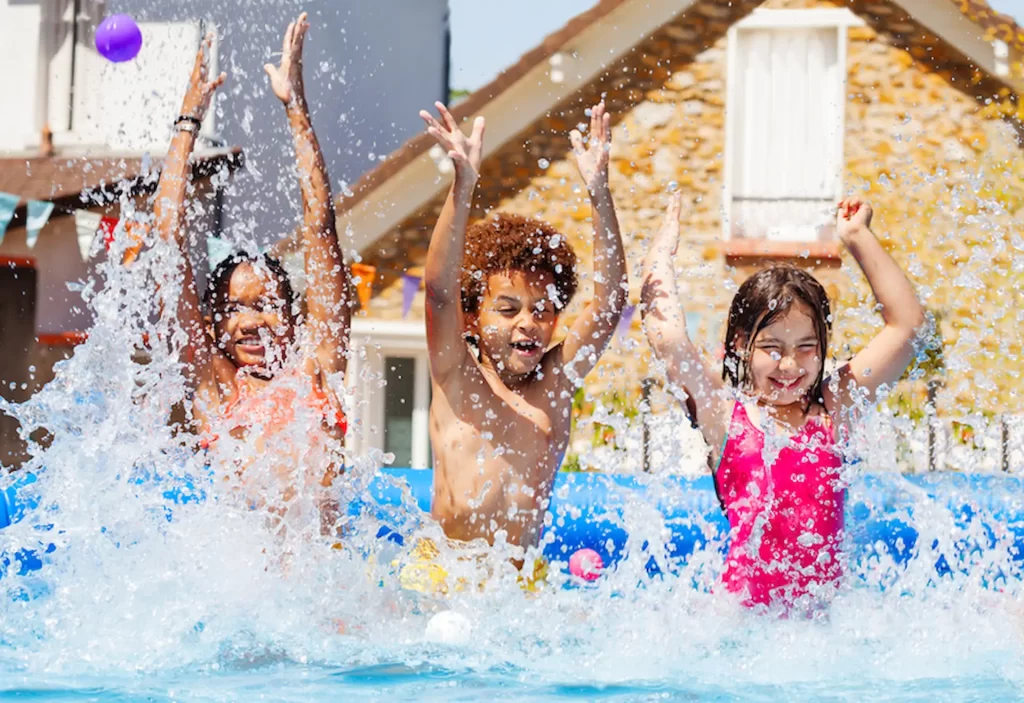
217 250
410 286
86 225
107 226
8 203
364 286
37 217
626 321
295 265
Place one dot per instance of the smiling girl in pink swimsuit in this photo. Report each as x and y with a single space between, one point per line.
773 429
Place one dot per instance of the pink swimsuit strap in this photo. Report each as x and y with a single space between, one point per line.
784 502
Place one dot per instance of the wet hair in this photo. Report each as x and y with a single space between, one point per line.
761 300
504 243
220 278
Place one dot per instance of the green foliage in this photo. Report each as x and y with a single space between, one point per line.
457 95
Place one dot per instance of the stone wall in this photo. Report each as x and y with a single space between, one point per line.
948 186
944 180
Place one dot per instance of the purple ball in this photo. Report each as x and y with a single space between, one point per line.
118 38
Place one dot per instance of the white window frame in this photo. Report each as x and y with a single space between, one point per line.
840 19
66 79
372 341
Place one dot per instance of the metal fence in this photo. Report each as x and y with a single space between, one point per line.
666 443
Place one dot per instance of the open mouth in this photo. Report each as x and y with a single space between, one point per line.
250 345
785 384
527 347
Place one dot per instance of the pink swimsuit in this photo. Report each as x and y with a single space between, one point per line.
786 515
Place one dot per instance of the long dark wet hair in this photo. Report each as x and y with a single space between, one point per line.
763 298
220 278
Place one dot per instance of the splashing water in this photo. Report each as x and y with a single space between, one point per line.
164 582
145 595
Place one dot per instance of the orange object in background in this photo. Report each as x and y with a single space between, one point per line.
364 289
137 233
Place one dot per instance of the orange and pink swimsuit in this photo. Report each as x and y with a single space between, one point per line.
274 407
785 512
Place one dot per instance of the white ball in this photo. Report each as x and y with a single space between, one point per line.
449 627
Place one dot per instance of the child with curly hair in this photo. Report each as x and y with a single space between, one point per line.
502 393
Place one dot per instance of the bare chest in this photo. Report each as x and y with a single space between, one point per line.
529 423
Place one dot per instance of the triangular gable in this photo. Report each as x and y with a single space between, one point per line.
943 31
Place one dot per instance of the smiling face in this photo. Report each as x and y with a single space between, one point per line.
516 322
786 358
251 321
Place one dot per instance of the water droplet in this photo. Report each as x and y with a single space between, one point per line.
543 163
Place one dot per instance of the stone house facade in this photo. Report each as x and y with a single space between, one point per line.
890 99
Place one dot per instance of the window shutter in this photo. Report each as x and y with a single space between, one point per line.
786 161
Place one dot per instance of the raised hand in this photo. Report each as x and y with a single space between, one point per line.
666 241
657 294
592 158
465 152
853 217
286 79
200 88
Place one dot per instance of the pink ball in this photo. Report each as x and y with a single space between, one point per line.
118 38
586 564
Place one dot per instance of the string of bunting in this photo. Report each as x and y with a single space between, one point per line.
363 275
93 229
37 214
89 226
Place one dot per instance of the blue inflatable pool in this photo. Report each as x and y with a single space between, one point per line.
588 509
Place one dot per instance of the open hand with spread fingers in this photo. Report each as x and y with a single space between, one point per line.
286 79
465 152
200 87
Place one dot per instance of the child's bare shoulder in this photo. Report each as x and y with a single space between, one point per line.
554 366
552 379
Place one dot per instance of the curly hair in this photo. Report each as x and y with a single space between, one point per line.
504 243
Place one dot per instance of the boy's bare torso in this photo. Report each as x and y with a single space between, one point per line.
497 449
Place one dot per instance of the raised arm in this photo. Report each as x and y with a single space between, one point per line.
328 285
593 329
442 276
169 214
887 355
665 326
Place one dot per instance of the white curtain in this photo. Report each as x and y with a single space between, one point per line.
786 161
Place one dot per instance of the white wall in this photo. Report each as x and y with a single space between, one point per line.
19 48
370 66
